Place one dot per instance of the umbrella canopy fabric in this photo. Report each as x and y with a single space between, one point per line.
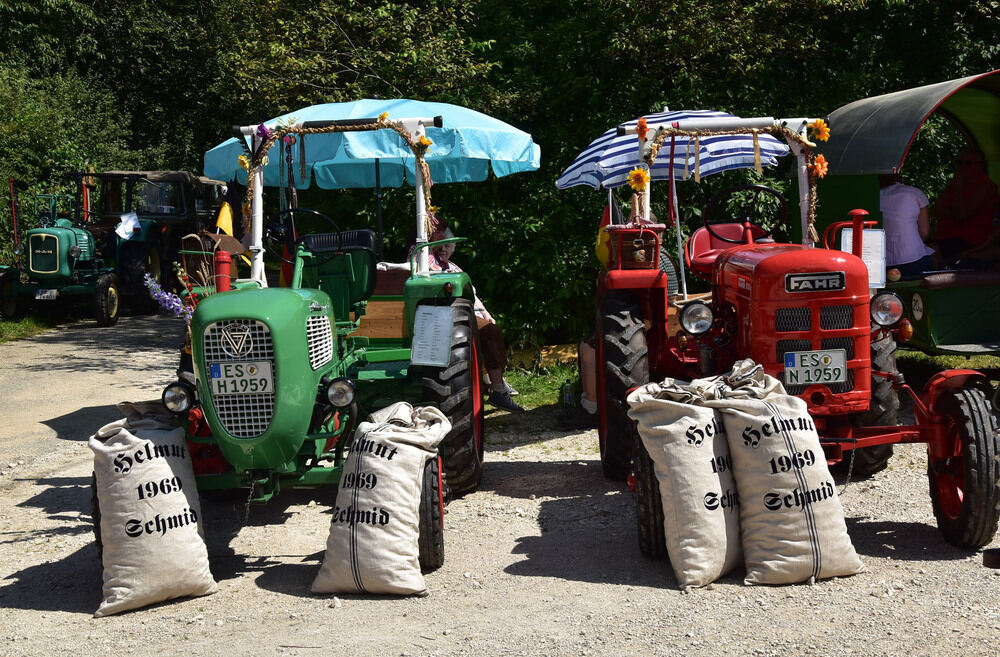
608 159
464 150
874 135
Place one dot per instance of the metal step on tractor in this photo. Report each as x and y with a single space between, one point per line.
98 244
810 317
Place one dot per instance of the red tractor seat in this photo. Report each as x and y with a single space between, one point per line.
702 248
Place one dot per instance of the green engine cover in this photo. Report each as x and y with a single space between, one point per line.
238 336
48 250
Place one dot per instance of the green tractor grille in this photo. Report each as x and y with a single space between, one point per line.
242 415
320 337
43 253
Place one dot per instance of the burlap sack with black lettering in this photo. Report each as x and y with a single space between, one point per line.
374 533
150 516
791 519
687 444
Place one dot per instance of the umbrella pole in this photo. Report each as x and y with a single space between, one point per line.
257 226
680 246
378 207
423 263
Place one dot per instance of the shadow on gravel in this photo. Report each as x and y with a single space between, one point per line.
84 422
902 541
72 584
588 527
223 518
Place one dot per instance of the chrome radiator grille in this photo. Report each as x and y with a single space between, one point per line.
320 338
242 415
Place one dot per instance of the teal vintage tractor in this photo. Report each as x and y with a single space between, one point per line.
281 376
58 258
99 244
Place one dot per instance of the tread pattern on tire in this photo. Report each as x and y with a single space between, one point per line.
976 523
648 503
450 389
626 365
884 410
431 538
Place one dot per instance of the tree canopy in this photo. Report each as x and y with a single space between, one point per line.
154 84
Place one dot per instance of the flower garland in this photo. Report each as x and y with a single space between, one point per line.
253 160
816 167
169 300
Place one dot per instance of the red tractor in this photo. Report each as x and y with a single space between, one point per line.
807 315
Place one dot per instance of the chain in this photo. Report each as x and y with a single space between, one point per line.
850 468
246 509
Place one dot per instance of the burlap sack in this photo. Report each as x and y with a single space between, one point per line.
791 519
687 444
373 541
154 549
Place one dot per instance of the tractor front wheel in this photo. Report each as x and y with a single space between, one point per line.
648 503
624 355
884 409
12 307
431 541
107 300
965 486
456 390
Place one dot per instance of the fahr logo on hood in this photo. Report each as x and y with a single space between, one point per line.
821 281
236 342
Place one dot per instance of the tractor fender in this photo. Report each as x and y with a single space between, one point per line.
946 381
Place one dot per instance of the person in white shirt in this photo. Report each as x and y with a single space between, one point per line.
906 221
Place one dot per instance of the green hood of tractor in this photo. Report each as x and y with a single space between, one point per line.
291 329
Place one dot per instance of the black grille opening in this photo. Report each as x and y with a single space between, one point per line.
793 319
836 317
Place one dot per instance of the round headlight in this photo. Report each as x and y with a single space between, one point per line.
19 249
697 317
74 251
178 397
886 308
340 392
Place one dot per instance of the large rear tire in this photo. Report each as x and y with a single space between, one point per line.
431 541
648 503
965 487
457 392
884 409
107 300
626 365
137 260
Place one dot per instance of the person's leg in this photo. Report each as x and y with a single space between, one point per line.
495 360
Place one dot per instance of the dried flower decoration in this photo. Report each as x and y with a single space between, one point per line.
818 167
638 178
820 130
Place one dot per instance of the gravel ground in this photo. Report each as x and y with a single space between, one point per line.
542 560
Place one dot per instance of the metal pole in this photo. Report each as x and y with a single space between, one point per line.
378 207
257 225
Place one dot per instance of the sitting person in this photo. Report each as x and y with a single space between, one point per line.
966 208
490 336
907 224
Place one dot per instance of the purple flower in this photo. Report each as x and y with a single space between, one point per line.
263 131
168 300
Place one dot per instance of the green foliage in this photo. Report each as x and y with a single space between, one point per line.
153 84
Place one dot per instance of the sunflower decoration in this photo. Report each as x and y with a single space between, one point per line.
820 130
244 162
638 178
818 167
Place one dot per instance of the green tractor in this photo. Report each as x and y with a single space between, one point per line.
100 243
281 376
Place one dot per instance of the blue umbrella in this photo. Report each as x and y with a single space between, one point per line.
608 159
464 149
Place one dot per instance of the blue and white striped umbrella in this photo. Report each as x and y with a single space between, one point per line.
607 161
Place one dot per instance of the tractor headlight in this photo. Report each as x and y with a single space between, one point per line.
697 317
178 397
74 251
19 249
340 392
886 308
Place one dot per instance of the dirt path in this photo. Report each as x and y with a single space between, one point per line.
543 560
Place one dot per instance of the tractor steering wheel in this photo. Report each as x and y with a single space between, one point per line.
277 232
745 213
